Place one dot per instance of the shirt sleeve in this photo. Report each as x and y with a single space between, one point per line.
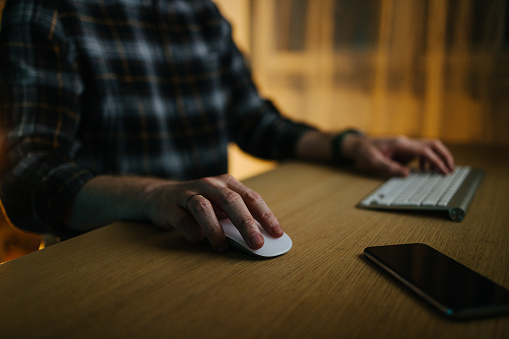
256 125
39 116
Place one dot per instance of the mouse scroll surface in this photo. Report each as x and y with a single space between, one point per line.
272 247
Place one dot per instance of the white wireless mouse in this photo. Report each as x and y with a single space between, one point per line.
272 247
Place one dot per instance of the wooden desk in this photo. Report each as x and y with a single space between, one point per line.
133 280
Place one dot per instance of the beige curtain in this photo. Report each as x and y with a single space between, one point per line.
431 68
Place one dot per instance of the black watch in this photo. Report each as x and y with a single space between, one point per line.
337 142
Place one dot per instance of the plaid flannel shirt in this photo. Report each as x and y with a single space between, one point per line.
146 87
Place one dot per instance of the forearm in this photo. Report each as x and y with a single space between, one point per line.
317 145
106 199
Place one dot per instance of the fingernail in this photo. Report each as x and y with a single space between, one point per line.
256 241
277 230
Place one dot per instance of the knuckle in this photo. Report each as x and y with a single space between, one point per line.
253 197
200 205
229 197
401 139
206 181
267 215
248 224
213 231
228 178
435 142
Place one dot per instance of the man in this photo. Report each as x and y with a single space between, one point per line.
123 109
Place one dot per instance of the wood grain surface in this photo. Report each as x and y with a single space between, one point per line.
134 280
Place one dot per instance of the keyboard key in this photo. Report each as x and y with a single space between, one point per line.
418 189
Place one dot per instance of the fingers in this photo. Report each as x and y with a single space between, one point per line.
445 157
203 213
208 200
389 156
374 155
431 152
258 208
242 206
187 226
167 216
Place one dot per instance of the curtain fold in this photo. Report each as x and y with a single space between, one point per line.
424 68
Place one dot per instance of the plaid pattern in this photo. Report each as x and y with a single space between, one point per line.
148 87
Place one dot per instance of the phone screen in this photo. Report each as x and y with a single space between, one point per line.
457 291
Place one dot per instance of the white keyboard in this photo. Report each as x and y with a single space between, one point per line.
423 190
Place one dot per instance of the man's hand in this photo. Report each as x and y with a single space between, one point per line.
390 155
195 207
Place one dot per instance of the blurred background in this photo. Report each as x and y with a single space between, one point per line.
423 68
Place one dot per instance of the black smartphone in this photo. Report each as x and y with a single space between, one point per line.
454 289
